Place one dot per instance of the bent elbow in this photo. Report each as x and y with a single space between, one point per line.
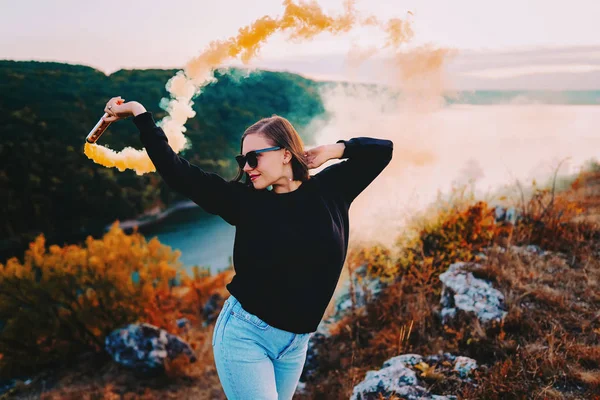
387 150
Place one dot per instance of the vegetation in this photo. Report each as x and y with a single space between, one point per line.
47 184
546 347
64 301
58 303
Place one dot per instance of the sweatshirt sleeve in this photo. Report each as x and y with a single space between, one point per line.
210 191
366 158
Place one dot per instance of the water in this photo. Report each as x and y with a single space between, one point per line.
203 239
489 97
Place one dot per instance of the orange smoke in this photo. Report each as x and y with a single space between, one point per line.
302 20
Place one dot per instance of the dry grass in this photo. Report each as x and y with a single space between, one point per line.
547 347
96 376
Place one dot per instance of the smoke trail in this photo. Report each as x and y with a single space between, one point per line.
435 149
302 21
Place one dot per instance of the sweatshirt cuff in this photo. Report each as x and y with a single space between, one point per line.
347 148
144 121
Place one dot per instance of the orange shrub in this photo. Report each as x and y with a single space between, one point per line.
64 300
457 234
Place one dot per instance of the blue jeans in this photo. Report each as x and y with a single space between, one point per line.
255 360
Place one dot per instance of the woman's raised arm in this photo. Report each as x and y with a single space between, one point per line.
366 158
210 191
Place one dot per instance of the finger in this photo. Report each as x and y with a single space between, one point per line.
112 102
110 119
112 111
115 101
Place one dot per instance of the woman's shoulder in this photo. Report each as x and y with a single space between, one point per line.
322 186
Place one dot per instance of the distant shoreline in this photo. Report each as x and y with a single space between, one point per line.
12 248
153 216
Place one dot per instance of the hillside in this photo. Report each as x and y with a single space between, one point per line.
47 109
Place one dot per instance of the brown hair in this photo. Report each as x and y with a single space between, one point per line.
280 132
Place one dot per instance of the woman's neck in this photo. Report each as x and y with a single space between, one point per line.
286 187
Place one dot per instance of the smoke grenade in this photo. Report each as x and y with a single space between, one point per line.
99 128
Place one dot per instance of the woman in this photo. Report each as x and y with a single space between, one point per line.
290 241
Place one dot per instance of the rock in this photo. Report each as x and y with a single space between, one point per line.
145 347
506 214
393 378
7 387
183 322
343 304
211 309
311 363
404 359
530 249
398 375
462 291
448 313
362 284
301 388
464 366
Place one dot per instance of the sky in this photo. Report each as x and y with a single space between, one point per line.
156 34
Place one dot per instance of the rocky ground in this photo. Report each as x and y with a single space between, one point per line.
531 314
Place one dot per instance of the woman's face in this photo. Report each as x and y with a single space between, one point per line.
270 168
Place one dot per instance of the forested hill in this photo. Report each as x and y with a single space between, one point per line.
47 184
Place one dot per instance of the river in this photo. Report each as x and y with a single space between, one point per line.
203 239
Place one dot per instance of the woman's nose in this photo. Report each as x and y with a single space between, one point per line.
247 167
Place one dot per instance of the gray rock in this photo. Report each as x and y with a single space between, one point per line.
404 359
397 376
311 363
301 388
394 378
145 347
462 291
362 285
210 310
343 304
506 214
448 313
183 323
530 249
7 386
464 366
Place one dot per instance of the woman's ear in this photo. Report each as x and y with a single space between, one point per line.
287 156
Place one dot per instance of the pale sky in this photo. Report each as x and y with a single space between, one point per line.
165 34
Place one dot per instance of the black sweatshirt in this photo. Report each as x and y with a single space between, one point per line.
290 247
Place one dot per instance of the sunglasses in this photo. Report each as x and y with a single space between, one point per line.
252 158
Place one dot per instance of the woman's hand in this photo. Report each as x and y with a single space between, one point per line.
121 110
317 156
